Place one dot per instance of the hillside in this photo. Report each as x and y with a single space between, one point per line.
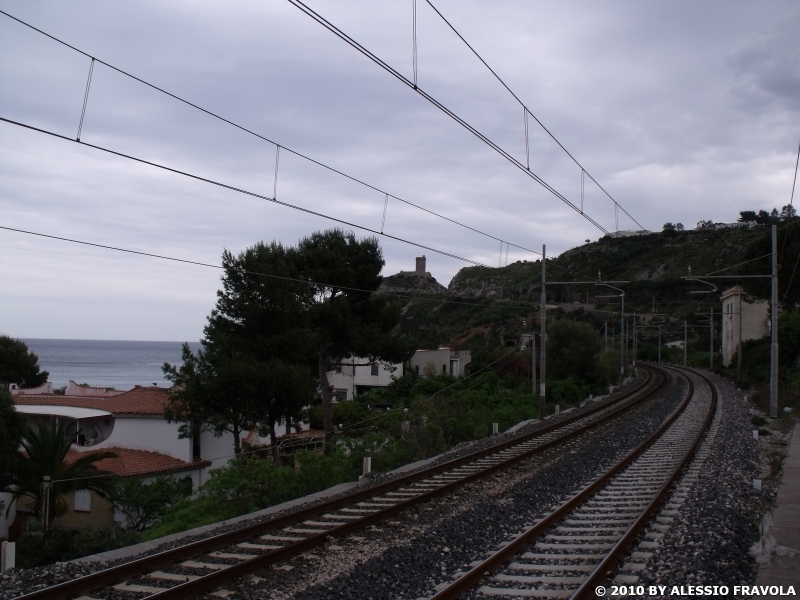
485 306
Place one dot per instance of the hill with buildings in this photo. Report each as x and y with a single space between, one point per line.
485 307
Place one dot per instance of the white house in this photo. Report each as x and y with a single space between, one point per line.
442 361
355 376
130 424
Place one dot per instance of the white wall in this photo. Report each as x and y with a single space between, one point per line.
219 450
5 523
151 433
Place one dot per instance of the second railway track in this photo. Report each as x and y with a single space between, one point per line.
574 549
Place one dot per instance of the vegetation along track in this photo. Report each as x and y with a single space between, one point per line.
249 549
577 546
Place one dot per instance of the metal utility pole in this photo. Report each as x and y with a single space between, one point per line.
711 341
773 359
605 341
544 337
659 343
741 347
634 339
685 342
622 328
533 362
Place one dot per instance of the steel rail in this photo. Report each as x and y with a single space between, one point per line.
493 563
621 548
192 588
154 562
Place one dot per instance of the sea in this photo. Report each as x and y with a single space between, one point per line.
106 363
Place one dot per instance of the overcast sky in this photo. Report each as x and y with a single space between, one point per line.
682 111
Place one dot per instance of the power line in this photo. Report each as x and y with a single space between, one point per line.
240 190
528 112
249 272
494 146
788 221
253 133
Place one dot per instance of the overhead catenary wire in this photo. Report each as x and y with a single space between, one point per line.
240 190
736 265
250 272
494 146
260 136
528 112
788 221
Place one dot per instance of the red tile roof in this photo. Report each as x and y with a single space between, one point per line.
138 401
138 463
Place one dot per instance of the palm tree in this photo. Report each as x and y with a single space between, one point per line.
46 446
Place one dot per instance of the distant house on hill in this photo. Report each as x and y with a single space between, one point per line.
356 376
442 361
630 233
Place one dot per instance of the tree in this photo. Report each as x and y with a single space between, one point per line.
46 444
669 228
679 227
705 224
345 317
573 351
253 368
747 216
18 365
12 427
788 212
144 503
762 218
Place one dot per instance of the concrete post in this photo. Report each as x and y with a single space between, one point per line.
8 555
367 465
495 428
46 496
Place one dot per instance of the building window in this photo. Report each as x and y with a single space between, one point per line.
83 501
374 370
444 369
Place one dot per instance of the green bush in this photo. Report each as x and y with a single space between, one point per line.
37 549
188 514
566 392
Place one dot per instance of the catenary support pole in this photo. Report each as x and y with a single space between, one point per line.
685 342
659 343
773 356
711 340
622 340
533 361
741 346
543 357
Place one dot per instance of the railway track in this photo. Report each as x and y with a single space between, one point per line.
573 550
207 564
